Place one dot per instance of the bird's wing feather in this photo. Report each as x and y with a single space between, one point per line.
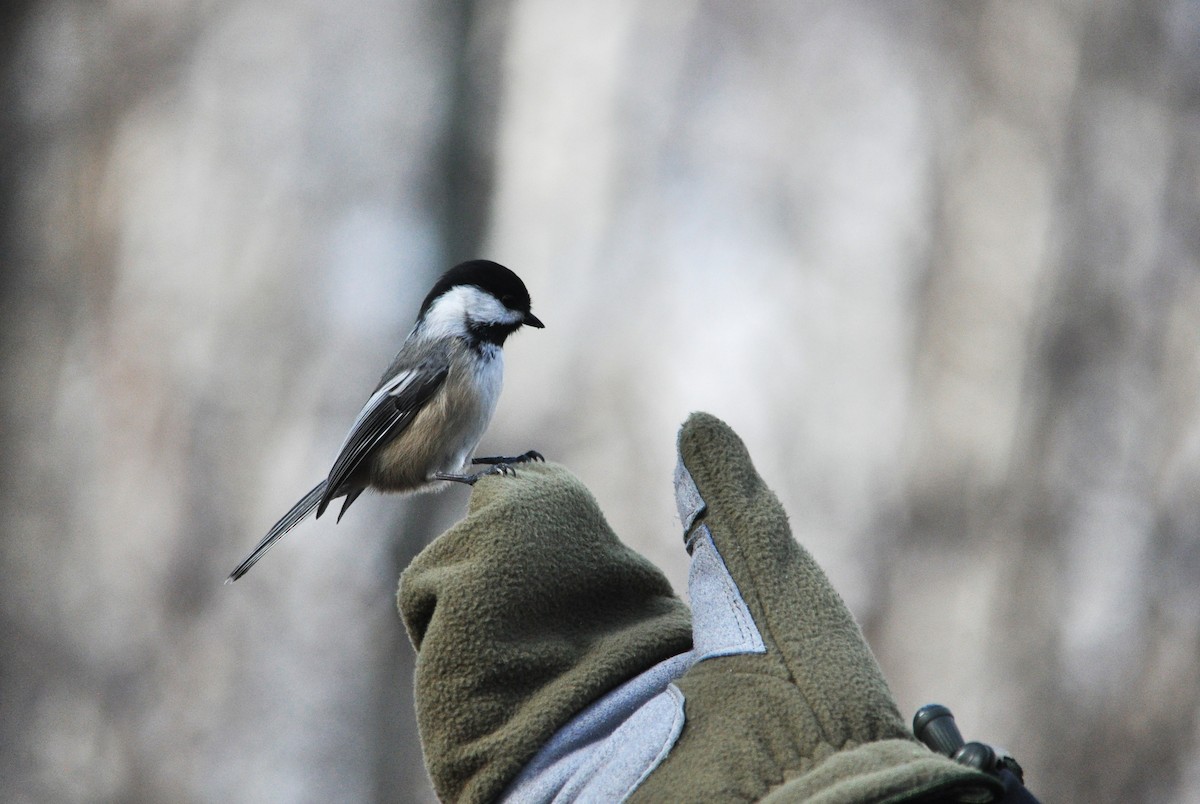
389 411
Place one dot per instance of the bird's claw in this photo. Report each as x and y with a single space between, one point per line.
527 457
494 469
498 468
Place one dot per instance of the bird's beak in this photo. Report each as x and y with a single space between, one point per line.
532 320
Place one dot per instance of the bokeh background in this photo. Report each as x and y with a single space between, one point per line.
938 263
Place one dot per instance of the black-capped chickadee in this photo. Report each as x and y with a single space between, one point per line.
432 405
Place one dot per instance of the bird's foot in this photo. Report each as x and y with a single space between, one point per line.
470 480
531 455
498 465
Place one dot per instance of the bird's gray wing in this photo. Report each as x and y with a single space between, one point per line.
389 411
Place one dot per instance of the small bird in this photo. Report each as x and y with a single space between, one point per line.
433 403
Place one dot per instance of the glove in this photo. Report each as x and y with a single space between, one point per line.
522 614
555 664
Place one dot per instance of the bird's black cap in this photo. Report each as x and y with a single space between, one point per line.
488 276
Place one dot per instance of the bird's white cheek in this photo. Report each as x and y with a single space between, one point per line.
448 316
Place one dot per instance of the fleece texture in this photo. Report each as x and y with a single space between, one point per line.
523 614
811 718
530 610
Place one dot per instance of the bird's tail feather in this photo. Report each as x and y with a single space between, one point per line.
300 510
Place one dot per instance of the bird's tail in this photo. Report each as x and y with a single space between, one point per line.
300 510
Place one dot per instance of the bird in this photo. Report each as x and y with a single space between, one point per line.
426 416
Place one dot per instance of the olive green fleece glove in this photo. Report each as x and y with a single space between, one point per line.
554 664
522 614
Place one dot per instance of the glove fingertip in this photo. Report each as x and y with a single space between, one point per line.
702 431
716 458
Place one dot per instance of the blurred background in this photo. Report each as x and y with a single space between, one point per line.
938 263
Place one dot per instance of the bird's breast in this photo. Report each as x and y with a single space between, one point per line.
444 434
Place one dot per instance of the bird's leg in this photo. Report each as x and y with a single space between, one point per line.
496 466
495 469
531 455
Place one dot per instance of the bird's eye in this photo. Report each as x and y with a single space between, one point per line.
507 299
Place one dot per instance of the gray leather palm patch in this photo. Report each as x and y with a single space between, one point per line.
608 749
687 498
721 621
